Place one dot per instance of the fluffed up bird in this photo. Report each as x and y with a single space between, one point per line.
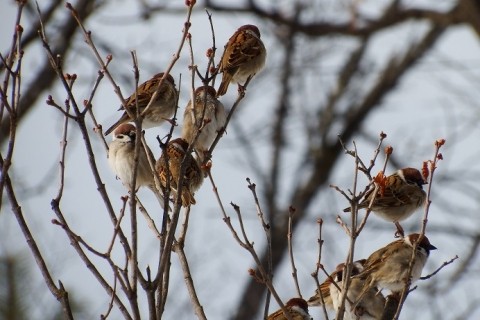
206 113
399 196
121 160
243 57
176 152
387 268
161 109
297 309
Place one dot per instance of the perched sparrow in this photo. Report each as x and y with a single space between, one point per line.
193 177
243 57
121 159
297 308
387 268
160 110
371 305
398 198
207 114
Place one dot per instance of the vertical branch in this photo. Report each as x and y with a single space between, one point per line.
433 166
179 248
291 211
320 266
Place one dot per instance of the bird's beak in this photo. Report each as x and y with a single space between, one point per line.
432 247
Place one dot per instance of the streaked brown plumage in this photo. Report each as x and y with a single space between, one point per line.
398 197
243 57
297 308
387 268
207 105
161 109
193 177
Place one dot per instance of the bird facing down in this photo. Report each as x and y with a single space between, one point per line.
387 268
161 109
176 153
398 196
297 308
121 154
243 57
206 113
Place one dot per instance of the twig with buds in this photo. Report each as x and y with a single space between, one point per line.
356 226
291 211
320 266
178 247
425 170
263 277
268 235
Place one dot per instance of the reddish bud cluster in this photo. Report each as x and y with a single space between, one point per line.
213 69
383 135
109 57
439 143
388 150
425 171
19 28
440 156
190 3
209 53
189 36
381 181
320 221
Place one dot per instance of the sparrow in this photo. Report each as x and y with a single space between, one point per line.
176 152
121 151
297 308
387 268
244 56
369 307
398 196
161 109
206 113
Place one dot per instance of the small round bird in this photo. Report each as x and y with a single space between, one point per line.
121 154
387 268
169 166
398 196
161 110
243 57
207 114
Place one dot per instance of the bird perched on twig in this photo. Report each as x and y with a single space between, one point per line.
176 153
207 114
243 57
121 153
398 196
161 109
387 268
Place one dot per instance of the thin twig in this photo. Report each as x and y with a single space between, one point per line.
291 211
